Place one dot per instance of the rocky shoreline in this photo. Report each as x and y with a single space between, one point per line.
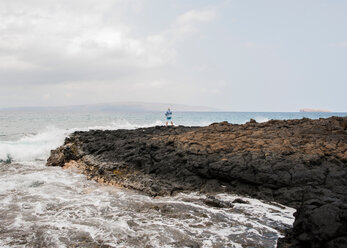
298 163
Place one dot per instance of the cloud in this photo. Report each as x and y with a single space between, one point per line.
60 40
194 16
187 22
47 41
70 52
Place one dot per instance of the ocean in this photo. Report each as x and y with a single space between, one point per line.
50 207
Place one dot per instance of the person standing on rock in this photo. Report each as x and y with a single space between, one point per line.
168 115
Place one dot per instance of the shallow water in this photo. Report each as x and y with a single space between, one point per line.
50 207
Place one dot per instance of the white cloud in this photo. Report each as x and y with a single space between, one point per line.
187 23
80 51
59 41
194 16
81 35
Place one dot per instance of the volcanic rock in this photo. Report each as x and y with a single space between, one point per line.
299 163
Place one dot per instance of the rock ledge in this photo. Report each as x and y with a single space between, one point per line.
299 163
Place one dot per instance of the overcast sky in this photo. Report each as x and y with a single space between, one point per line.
238 55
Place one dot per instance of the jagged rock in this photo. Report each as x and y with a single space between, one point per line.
299 163
214 202
239 200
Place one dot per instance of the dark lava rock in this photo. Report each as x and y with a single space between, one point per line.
299 163
214 202
239 200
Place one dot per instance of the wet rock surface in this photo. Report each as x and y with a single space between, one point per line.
299 163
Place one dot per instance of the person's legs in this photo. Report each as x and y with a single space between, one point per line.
171 123
167 120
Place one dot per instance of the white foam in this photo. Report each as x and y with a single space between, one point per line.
62 202
37 147
261 119
33 147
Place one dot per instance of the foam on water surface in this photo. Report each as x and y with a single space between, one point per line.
50 207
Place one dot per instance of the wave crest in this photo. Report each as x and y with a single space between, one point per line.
38 146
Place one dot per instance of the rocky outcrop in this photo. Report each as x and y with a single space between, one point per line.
299 163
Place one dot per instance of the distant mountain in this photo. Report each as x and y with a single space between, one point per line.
117 107
314 110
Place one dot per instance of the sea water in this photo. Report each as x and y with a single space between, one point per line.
50 207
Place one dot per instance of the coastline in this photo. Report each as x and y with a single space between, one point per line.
299 163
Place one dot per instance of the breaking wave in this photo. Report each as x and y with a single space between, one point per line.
36 147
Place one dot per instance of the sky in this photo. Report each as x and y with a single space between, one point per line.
235 55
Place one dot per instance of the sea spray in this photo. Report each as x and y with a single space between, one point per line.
33 147
8 160
38 146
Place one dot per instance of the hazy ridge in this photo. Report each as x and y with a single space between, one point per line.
115 107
